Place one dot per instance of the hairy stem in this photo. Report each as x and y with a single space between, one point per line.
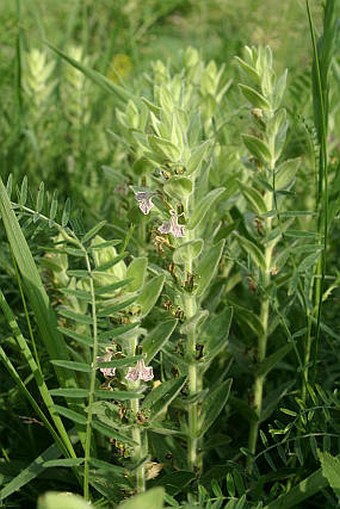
194 378
137 436
264 318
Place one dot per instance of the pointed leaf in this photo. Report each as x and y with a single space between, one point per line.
188 251
159 398
157 338
253 251
256 147
203 206
150 294
136 272
254 97
91 233
207 266
213 405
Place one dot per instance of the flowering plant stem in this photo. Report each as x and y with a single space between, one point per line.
195 381
263 338
265 304
138 448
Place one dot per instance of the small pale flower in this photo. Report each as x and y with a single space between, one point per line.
144 201
107 372
172 226
140 372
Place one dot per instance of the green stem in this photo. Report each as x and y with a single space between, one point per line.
137 436
264 318
195 382
88 435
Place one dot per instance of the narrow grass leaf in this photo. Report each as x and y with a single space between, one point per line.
95 76
36 293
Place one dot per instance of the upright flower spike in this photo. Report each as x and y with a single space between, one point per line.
172 226
140 372
144 200
107 372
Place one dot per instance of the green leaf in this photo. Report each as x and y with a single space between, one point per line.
110 289
285 173
106 309
194 324
91 233
66 213
175 482
76 366
197 156
70 414
93 75
254 97
331 470
55 500
152 499
256 147
217 332
309 261
159 398
40 197
188 251
203 206
23 191
69 462
111 432
270 362
305 489
254 199
252 250
32 471
136 272
150 294
249 70
178 186
213 405
81 338
76 393
34 289
207 266
164 148
118 395
157 338
77 317
53 207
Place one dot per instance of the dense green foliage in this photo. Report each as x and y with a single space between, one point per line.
169 203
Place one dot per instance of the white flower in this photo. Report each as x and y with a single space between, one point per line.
140 372
107 372
144 201
172 226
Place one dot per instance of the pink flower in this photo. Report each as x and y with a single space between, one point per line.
107 372
140 372
144 201
172 226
